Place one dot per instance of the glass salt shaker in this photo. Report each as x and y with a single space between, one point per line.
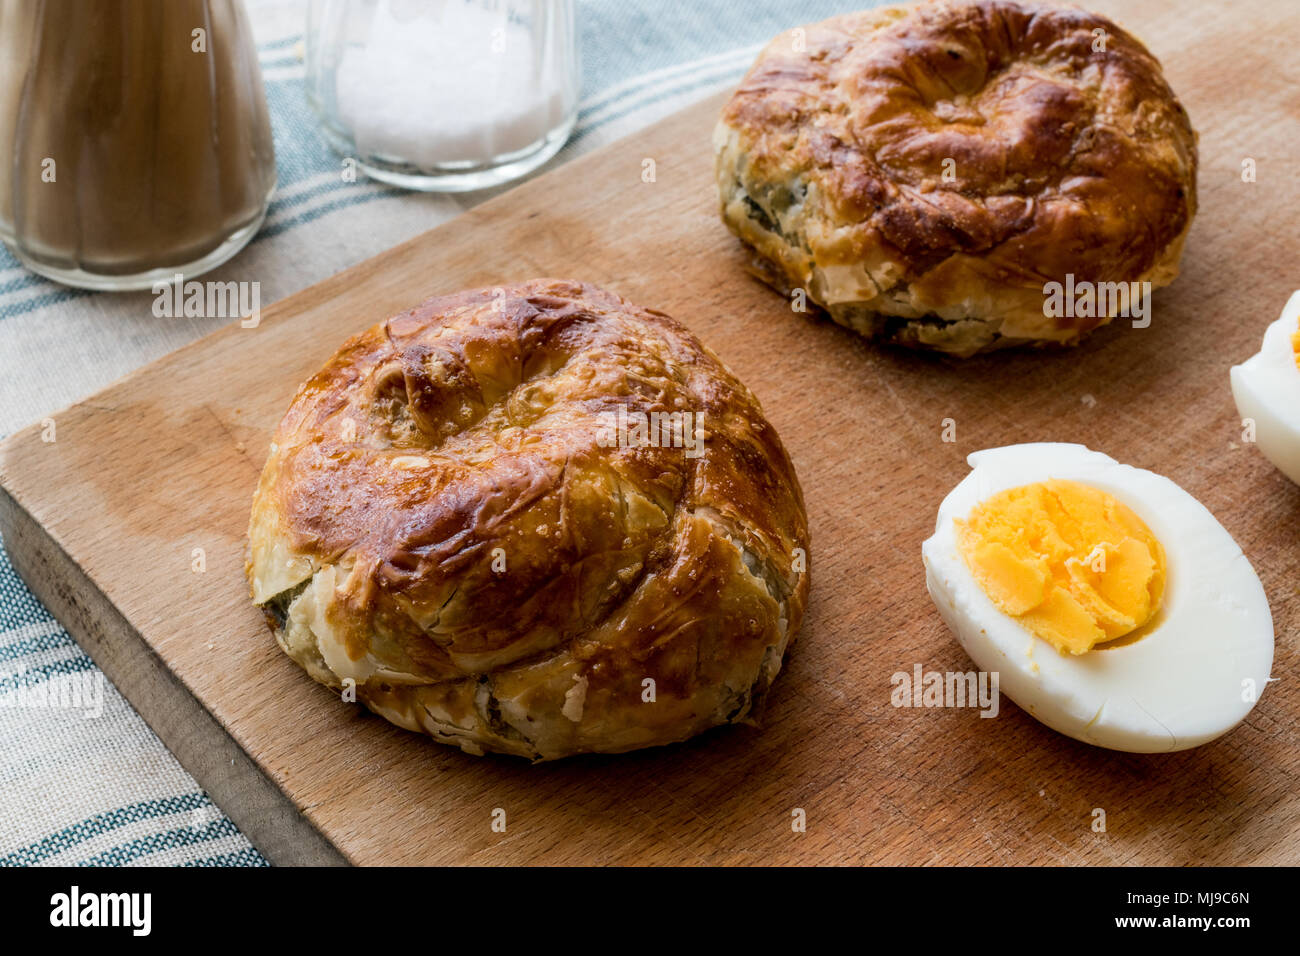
444 95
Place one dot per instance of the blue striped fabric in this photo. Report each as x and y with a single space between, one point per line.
70 837
104 792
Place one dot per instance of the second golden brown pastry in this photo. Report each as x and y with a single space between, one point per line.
535 519
923 172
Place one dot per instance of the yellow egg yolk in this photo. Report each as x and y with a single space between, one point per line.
1295 346
1069 562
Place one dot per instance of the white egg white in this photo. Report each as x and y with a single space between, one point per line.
1197 669
1267 390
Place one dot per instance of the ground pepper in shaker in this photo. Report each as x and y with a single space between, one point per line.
138 134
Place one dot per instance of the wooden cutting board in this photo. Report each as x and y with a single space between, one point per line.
103 523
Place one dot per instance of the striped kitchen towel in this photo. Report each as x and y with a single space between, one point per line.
90 784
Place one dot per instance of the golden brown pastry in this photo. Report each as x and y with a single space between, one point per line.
923 172
464 513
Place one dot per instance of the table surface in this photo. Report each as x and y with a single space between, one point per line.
863 426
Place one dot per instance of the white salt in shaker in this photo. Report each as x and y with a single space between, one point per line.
444 95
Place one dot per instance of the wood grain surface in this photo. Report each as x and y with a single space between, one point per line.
165 462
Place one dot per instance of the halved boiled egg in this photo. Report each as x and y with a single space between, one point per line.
1267 390
1112 604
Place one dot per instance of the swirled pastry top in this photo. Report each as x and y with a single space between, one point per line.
469 512
950 158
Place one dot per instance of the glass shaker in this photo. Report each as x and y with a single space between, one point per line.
134 138
444 95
